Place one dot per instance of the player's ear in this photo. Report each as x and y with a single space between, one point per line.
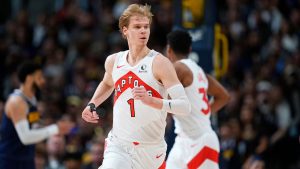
169 51
124 31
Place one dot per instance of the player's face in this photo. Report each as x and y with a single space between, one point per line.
38 79
138 30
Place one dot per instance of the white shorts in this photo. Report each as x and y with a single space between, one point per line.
123 155
202 153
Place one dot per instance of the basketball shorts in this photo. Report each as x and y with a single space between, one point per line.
120 154
201 153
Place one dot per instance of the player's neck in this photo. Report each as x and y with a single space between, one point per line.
27 90
136 54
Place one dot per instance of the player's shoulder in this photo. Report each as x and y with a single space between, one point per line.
184 73
110 61
15 100
182 67
161 60
111 58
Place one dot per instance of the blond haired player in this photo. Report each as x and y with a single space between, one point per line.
140 82
196 145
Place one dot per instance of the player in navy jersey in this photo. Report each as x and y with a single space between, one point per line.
17 130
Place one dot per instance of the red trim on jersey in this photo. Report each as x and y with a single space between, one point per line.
127 81
206 153
163 165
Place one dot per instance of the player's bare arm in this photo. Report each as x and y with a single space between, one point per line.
16 109
103 91
184 74
220 94
166 74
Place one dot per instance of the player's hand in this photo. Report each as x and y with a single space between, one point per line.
140 93
89 116
65 126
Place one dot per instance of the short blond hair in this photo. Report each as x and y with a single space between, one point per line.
133 10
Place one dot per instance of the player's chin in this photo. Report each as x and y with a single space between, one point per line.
93 121
143 41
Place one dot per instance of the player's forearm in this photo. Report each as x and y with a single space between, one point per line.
102 92
31 136
179 106
218 103
179 103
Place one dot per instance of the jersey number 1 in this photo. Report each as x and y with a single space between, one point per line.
131 104
205 99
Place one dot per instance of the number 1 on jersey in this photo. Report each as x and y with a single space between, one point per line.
131 104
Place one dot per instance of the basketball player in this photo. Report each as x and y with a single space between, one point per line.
140 82
196 145
17 132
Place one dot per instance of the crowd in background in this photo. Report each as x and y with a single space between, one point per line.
72 38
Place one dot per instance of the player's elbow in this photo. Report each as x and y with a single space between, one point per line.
222 97
25 141
185 109
226 97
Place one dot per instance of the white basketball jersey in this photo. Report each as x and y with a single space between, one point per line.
198 121
134 121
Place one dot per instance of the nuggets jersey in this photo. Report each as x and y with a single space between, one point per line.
134 121
198 121
13 154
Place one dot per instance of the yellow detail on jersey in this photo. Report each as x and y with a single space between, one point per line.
33 117
192 13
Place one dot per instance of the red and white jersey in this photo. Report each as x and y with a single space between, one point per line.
198 122
134 121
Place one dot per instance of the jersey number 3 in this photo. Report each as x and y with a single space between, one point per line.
131 104
205 99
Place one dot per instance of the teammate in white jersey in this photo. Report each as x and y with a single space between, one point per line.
196 145
141 85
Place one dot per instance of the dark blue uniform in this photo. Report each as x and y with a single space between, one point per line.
13 154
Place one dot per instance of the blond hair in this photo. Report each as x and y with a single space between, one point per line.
133 10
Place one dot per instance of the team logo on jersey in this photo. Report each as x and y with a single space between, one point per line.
131 80
33 117
143 68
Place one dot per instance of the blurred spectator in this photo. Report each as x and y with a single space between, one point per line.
72 158
72 38
229 157
95 154
55 152
40 156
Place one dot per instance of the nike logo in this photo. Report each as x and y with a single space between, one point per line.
157 156
193 145
120 66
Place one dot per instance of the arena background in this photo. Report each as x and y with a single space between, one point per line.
250 46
